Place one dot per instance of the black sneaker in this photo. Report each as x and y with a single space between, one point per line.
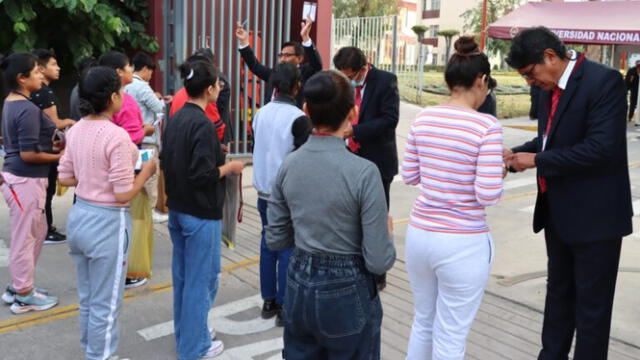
270 309
131 283
55 237
279 319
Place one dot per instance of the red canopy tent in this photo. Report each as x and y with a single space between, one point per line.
592 22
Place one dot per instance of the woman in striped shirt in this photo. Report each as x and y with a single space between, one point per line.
455 154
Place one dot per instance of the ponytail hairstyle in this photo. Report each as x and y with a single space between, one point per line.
14 65
198 76
467 64
330 97
284 79
95 89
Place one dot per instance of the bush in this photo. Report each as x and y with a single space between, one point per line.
74 29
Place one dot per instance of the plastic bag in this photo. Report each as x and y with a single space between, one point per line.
60 189
232 210
141 248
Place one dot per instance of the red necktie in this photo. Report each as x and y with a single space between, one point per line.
351 142
555 99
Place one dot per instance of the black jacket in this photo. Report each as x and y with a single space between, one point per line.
585 161
224 109
307 70
376 129
190 158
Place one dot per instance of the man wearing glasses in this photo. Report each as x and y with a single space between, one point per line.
584 195
291 52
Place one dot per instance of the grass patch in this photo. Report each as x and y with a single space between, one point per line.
512 92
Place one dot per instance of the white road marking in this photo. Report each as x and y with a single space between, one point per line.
529 209
516 183
249 351
218 317
636 207
4 254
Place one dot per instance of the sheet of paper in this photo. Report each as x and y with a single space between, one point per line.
309 9
144 155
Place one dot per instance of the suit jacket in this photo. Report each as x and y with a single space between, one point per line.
631 79
376 128
584 163
307 70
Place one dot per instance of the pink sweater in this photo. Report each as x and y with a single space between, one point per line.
455 155
101 156
130 118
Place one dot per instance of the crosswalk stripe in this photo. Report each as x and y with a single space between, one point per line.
4 254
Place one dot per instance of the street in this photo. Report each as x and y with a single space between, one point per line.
515 290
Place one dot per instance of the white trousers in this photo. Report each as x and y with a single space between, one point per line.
448 273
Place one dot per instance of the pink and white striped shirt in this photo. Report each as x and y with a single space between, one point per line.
455 154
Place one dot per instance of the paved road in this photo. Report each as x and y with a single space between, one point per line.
507 326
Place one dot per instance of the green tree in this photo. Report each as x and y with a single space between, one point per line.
361 8
448 35
495 10
74 29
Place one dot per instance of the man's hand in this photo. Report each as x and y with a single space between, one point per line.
306 29
168 99
348 133
67 123
149 130
242 35
522 161
224 148
390 224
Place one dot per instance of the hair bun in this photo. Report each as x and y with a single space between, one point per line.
466 46
320 88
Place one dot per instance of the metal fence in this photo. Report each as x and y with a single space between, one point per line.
382 42
194 24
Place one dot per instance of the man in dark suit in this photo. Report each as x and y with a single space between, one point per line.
632 80
291 52
584 195
373 136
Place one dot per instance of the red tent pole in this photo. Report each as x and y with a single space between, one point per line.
483 31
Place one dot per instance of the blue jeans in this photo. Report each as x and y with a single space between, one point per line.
273 264
195 270
331 309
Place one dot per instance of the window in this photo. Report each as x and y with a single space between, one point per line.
433 31
435 5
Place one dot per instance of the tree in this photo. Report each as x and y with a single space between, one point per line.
362 8
74 29
495 10
448 35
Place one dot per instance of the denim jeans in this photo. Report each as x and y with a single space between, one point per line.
331 308
195 270
273 264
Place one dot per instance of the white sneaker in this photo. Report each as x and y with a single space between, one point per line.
217 347
116 357
159 218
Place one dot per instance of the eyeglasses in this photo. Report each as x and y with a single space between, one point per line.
286 55
529 74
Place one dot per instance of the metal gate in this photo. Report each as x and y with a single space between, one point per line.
378 37
193 24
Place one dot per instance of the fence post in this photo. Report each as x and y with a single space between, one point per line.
394 50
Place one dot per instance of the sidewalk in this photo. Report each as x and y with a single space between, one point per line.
503 329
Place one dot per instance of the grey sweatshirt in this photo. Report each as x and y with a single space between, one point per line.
326 200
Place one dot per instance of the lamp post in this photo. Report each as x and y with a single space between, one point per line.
483 31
